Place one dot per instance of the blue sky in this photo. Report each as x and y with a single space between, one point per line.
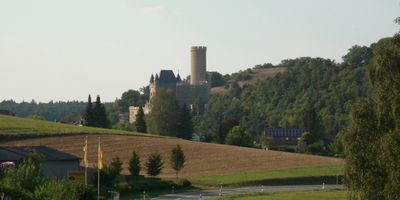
65 50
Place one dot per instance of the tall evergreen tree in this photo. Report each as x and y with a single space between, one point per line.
154 164
100 117
140 122
134 164
88 116
185 126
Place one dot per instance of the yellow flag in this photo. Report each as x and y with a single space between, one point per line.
85 150
100 157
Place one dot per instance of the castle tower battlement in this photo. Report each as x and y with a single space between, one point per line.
198 65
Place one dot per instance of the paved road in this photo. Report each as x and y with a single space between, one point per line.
242 190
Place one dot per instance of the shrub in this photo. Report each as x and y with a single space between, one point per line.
154 164
134 164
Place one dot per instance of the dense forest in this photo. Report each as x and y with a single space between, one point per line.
52 111
329 88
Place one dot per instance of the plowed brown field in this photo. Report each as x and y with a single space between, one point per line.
202 158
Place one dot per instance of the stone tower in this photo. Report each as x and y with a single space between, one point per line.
198 65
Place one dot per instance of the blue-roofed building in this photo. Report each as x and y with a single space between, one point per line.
56 163
283 138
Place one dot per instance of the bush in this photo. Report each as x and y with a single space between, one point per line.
63 190
15 192
109 173
29 173
315 148
154 164
141 184
238 137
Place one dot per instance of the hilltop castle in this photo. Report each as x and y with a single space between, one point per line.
189 93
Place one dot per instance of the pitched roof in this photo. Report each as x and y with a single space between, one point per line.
167 76
282 132
18 153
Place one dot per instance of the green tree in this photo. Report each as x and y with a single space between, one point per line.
28 175
178 159
109 172
163 117
128 98
185 126
154 164
216 79
372 141
140 122
237 136
88 116
311 123
134 164
115 167
100 117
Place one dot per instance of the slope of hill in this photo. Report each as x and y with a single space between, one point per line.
252 77
15 127
282 101
202 158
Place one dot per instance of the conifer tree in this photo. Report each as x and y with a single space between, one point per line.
134 164
154 164
140 122
100 117
185 126
88 116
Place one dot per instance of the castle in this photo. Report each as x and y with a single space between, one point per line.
189 93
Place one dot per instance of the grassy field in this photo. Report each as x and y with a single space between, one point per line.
298 195
15 127
291 176
207 164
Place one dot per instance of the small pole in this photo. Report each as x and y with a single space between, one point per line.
337 180
98 172
200 196
220 191
262 188
323 186
144 195
86 161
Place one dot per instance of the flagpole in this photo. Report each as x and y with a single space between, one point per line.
98 172
86 164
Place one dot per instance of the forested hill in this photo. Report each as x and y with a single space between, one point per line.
321 85
52 111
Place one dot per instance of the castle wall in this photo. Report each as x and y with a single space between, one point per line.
188 94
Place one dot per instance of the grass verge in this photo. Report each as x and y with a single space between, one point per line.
21 128
292 176
298 195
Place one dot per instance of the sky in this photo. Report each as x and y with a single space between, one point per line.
64 50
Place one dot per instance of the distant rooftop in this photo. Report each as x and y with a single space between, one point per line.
282 132
167 76
9 153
